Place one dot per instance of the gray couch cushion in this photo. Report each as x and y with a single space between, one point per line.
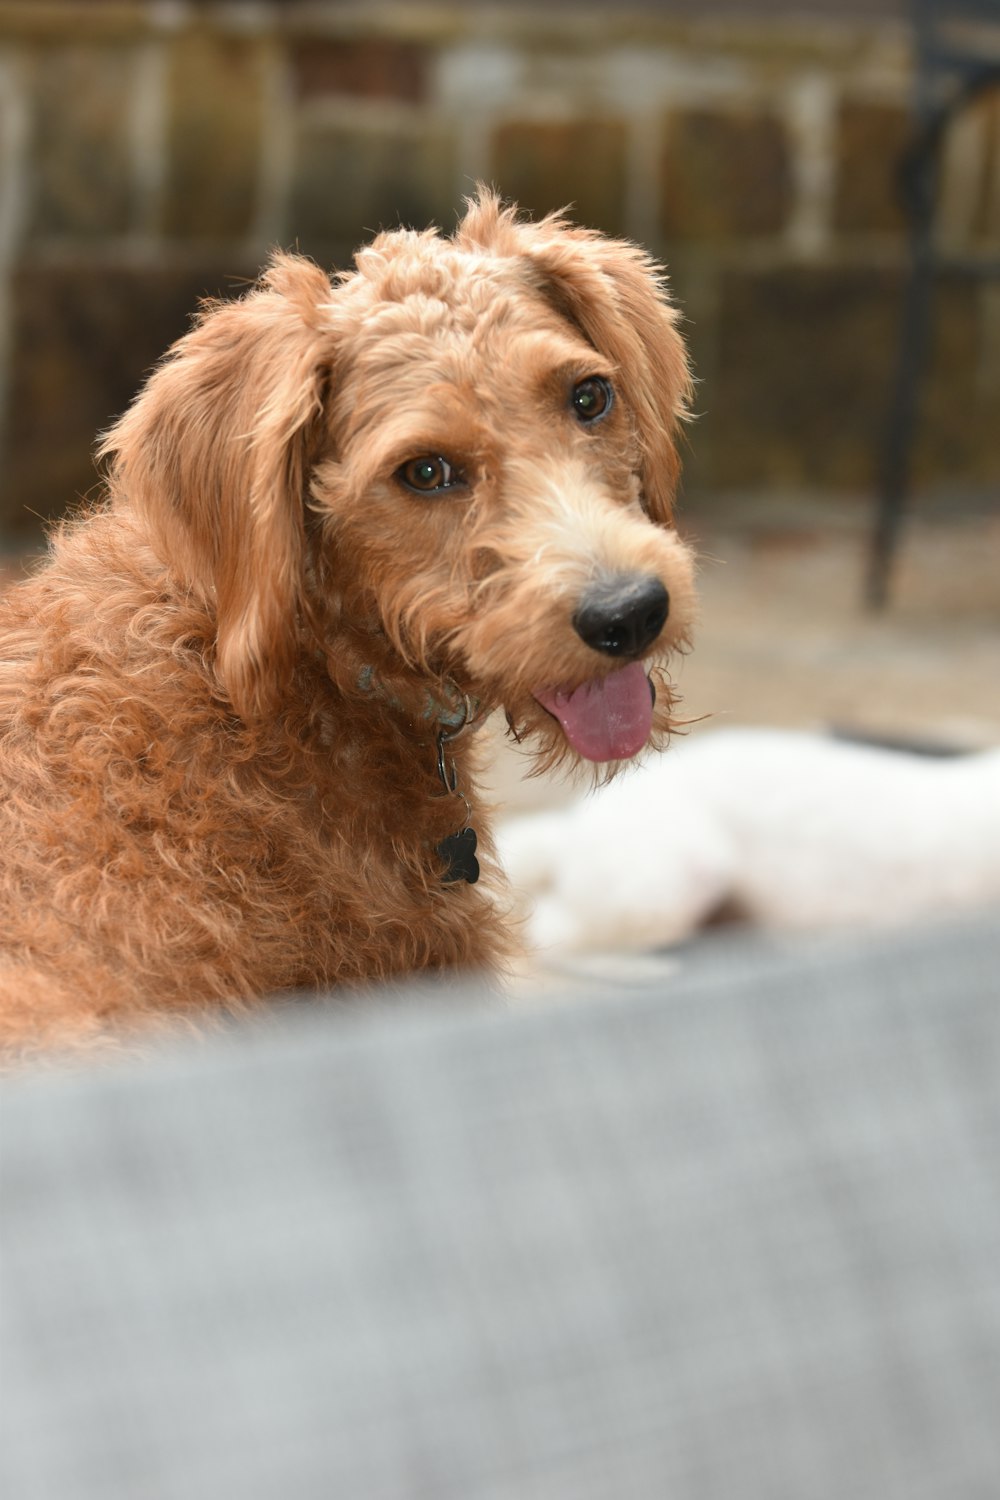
737 1236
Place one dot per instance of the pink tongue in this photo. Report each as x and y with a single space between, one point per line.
607 719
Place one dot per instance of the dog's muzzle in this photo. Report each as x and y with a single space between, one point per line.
622 616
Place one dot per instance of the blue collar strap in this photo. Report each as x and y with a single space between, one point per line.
452 715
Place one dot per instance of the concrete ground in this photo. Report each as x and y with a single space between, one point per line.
785 639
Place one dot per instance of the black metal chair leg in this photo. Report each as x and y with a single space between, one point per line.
897 456
957 58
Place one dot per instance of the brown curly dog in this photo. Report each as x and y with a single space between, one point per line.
343 520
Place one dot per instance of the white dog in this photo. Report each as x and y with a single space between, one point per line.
791 830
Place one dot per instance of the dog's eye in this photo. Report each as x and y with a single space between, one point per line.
430 475
592 398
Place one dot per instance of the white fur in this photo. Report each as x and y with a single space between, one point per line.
799 831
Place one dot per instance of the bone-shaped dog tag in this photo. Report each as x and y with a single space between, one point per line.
458 851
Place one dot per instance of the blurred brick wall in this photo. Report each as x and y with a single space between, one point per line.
152 152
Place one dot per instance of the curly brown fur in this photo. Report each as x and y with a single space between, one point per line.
221 694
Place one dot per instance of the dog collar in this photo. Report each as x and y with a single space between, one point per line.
454 716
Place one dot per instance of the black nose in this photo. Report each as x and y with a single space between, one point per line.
623 615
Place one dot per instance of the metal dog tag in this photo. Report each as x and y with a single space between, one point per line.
458 851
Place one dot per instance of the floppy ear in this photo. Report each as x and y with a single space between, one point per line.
213 454
616 295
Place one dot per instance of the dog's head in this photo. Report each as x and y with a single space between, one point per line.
452 467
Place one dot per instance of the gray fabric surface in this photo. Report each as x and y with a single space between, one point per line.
739 1238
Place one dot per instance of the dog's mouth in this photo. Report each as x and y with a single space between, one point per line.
609 718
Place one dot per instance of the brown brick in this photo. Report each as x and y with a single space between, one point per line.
985 225
215 125
725 174
83 341
803 366
870 141
550 165
957 437
348 183
801 385
81 160
372 69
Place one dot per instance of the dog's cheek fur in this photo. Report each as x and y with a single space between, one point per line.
394 564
